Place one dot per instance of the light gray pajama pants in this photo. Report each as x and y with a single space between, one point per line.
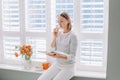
58 72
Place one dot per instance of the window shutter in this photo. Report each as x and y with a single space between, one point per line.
9 46
61 6
93 36
92 16
91 53
10 15
65 5
36 15
36 28
10 25
39 46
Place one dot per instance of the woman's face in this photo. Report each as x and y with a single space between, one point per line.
63 22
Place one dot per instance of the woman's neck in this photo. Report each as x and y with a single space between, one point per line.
66 30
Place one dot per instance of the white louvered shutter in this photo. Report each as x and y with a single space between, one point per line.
91 52
61 6
65 5
92 16
10 25
35 17
39 46
93 38
10 15
9 46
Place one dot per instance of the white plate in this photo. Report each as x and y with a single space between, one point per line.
38 69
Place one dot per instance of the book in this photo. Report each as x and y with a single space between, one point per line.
53 53
58 53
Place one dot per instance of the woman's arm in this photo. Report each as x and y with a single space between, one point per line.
73 48
55 34
53 44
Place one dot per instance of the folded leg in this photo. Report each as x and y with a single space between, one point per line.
50 73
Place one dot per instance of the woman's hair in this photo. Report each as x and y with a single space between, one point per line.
67 17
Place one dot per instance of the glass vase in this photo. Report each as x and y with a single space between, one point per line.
26 63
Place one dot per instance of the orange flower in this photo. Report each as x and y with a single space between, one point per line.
25 51
29 54
16 54
29 47
24 46
22 52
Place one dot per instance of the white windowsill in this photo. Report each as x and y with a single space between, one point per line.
32 70
88 74
18 68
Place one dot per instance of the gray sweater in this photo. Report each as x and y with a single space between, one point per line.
66 43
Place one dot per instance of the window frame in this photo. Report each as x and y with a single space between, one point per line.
22 34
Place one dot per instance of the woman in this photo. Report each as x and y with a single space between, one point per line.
63 42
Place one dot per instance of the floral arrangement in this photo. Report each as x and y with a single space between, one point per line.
25 51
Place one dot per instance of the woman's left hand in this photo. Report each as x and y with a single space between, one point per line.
60 56
55 55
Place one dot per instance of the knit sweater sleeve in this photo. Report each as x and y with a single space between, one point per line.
73 48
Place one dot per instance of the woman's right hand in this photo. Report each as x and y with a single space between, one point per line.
55 32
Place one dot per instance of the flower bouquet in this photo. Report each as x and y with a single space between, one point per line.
25 51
